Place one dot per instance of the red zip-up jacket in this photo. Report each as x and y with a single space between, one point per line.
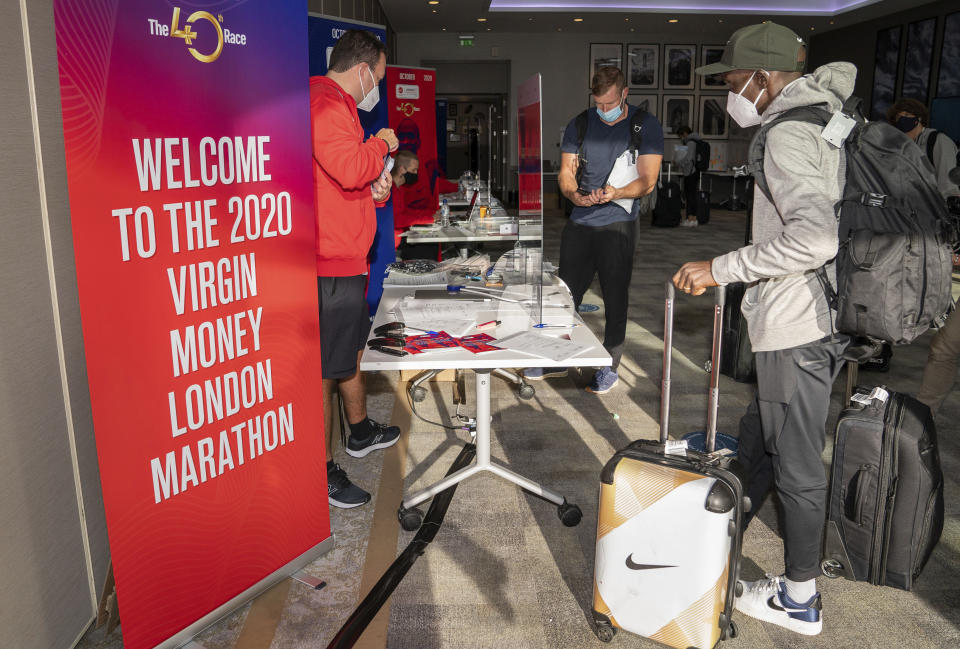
344 166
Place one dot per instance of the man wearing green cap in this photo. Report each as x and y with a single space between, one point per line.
790 323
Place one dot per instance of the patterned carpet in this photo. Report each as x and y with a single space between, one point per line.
503 570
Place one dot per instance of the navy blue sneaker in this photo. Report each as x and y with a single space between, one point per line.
767 600
540 373
603 381
341 492
381 436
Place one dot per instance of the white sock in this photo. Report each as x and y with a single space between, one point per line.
801 591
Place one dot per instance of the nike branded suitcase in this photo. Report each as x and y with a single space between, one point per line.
669 530
667 212
886 491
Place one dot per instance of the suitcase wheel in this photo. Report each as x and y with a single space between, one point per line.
410 519
605 632
570 515
831 568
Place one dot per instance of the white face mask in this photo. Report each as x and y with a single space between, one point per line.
371 98
741 109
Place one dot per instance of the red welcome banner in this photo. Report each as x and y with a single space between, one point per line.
187 140
413 115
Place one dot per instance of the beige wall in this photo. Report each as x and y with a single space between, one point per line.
561 58
53 553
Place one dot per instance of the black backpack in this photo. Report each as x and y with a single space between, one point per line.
894 262
636 139
702 161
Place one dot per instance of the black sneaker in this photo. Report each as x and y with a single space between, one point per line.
381 437
343 493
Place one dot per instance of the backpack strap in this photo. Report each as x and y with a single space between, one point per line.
580 123
636 132
931 143
817 115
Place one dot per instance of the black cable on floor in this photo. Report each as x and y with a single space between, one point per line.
358 621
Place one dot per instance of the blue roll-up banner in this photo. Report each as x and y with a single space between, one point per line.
324 33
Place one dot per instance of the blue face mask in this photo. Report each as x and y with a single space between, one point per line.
611 115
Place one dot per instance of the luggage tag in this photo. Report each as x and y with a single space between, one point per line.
877 393
675 447
838 128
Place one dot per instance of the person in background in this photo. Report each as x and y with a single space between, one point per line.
912 117
349 180
406 169
940 372
601 235
791 325
691 175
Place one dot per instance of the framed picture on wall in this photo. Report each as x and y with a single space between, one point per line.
643 66
678 66
714 121
645 102
603 54
451 110
916 72
948 83
677 112
711 54
886 63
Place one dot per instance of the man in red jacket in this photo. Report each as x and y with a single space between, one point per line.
349 178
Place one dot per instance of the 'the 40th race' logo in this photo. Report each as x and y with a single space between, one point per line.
189 36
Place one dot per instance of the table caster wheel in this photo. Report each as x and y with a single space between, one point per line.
570 515
418 394
732 630
831 568
527 391
410 519
605 632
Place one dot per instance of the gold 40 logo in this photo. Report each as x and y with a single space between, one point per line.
189 36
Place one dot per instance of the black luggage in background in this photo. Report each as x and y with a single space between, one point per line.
667 212
886 491
736 356
703 204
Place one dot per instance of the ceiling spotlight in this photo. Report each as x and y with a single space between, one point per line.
434 11
578 20
433 2
626 20
489 29
812 28
831 22
631 29
559 29
720 20
530 19
481 20
674 20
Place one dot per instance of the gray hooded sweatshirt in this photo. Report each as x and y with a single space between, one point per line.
796 234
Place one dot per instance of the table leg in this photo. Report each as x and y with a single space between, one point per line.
569 514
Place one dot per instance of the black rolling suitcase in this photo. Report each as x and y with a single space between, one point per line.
669 530
667 212
703 206
886 491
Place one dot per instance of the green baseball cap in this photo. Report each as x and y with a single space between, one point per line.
767 46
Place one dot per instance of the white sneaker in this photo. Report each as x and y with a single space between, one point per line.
767 600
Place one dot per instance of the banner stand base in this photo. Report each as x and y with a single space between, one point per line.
184 638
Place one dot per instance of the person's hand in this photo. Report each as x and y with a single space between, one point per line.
388 136
581 200
694 277
606 194
381 187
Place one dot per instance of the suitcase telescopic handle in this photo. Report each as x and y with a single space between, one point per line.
713 402
667 362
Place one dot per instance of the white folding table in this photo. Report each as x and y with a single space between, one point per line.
483 364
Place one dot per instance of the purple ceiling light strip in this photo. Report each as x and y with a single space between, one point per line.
816 7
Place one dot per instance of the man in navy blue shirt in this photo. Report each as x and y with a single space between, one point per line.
600 237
